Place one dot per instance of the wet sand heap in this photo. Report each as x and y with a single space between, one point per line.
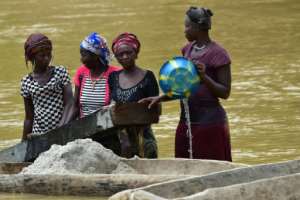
80 156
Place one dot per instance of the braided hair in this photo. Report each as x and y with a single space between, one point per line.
200 16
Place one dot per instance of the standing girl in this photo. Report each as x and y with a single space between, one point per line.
131 84
209 124
91 84
47 90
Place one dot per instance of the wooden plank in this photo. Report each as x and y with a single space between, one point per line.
181 188
133 113
102 122
81 184
12 168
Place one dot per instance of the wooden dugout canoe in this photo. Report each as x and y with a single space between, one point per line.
102 122
195 187
277 188
147 172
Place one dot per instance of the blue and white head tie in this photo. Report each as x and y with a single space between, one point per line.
97 45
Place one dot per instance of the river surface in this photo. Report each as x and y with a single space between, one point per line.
262 37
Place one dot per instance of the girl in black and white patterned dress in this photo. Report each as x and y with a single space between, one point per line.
47 90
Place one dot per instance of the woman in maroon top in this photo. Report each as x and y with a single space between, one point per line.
209 124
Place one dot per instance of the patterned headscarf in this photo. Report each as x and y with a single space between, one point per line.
97 45
33 43
128 39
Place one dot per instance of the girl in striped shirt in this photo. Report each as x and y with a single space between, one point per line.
91 85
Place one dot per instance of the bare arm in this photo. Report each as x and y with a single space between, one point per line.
68 103
151 101
220 88
75 108
29 114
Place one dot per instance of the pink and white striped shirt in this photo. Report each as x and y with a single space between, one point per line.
93 94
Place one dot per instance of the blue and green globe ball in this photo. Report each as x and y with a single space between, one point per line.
178 78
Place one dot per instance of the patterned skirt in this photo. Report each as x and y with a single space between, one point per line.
138 140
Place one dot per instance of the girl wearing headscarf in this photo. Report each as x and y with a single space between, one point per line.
209 124
131 84
91 85
47 90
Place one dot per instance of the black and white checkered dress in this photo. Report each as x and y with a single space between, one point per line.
47 99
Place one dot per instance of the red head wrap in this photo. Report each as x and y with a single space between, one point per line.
128 39
33 43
